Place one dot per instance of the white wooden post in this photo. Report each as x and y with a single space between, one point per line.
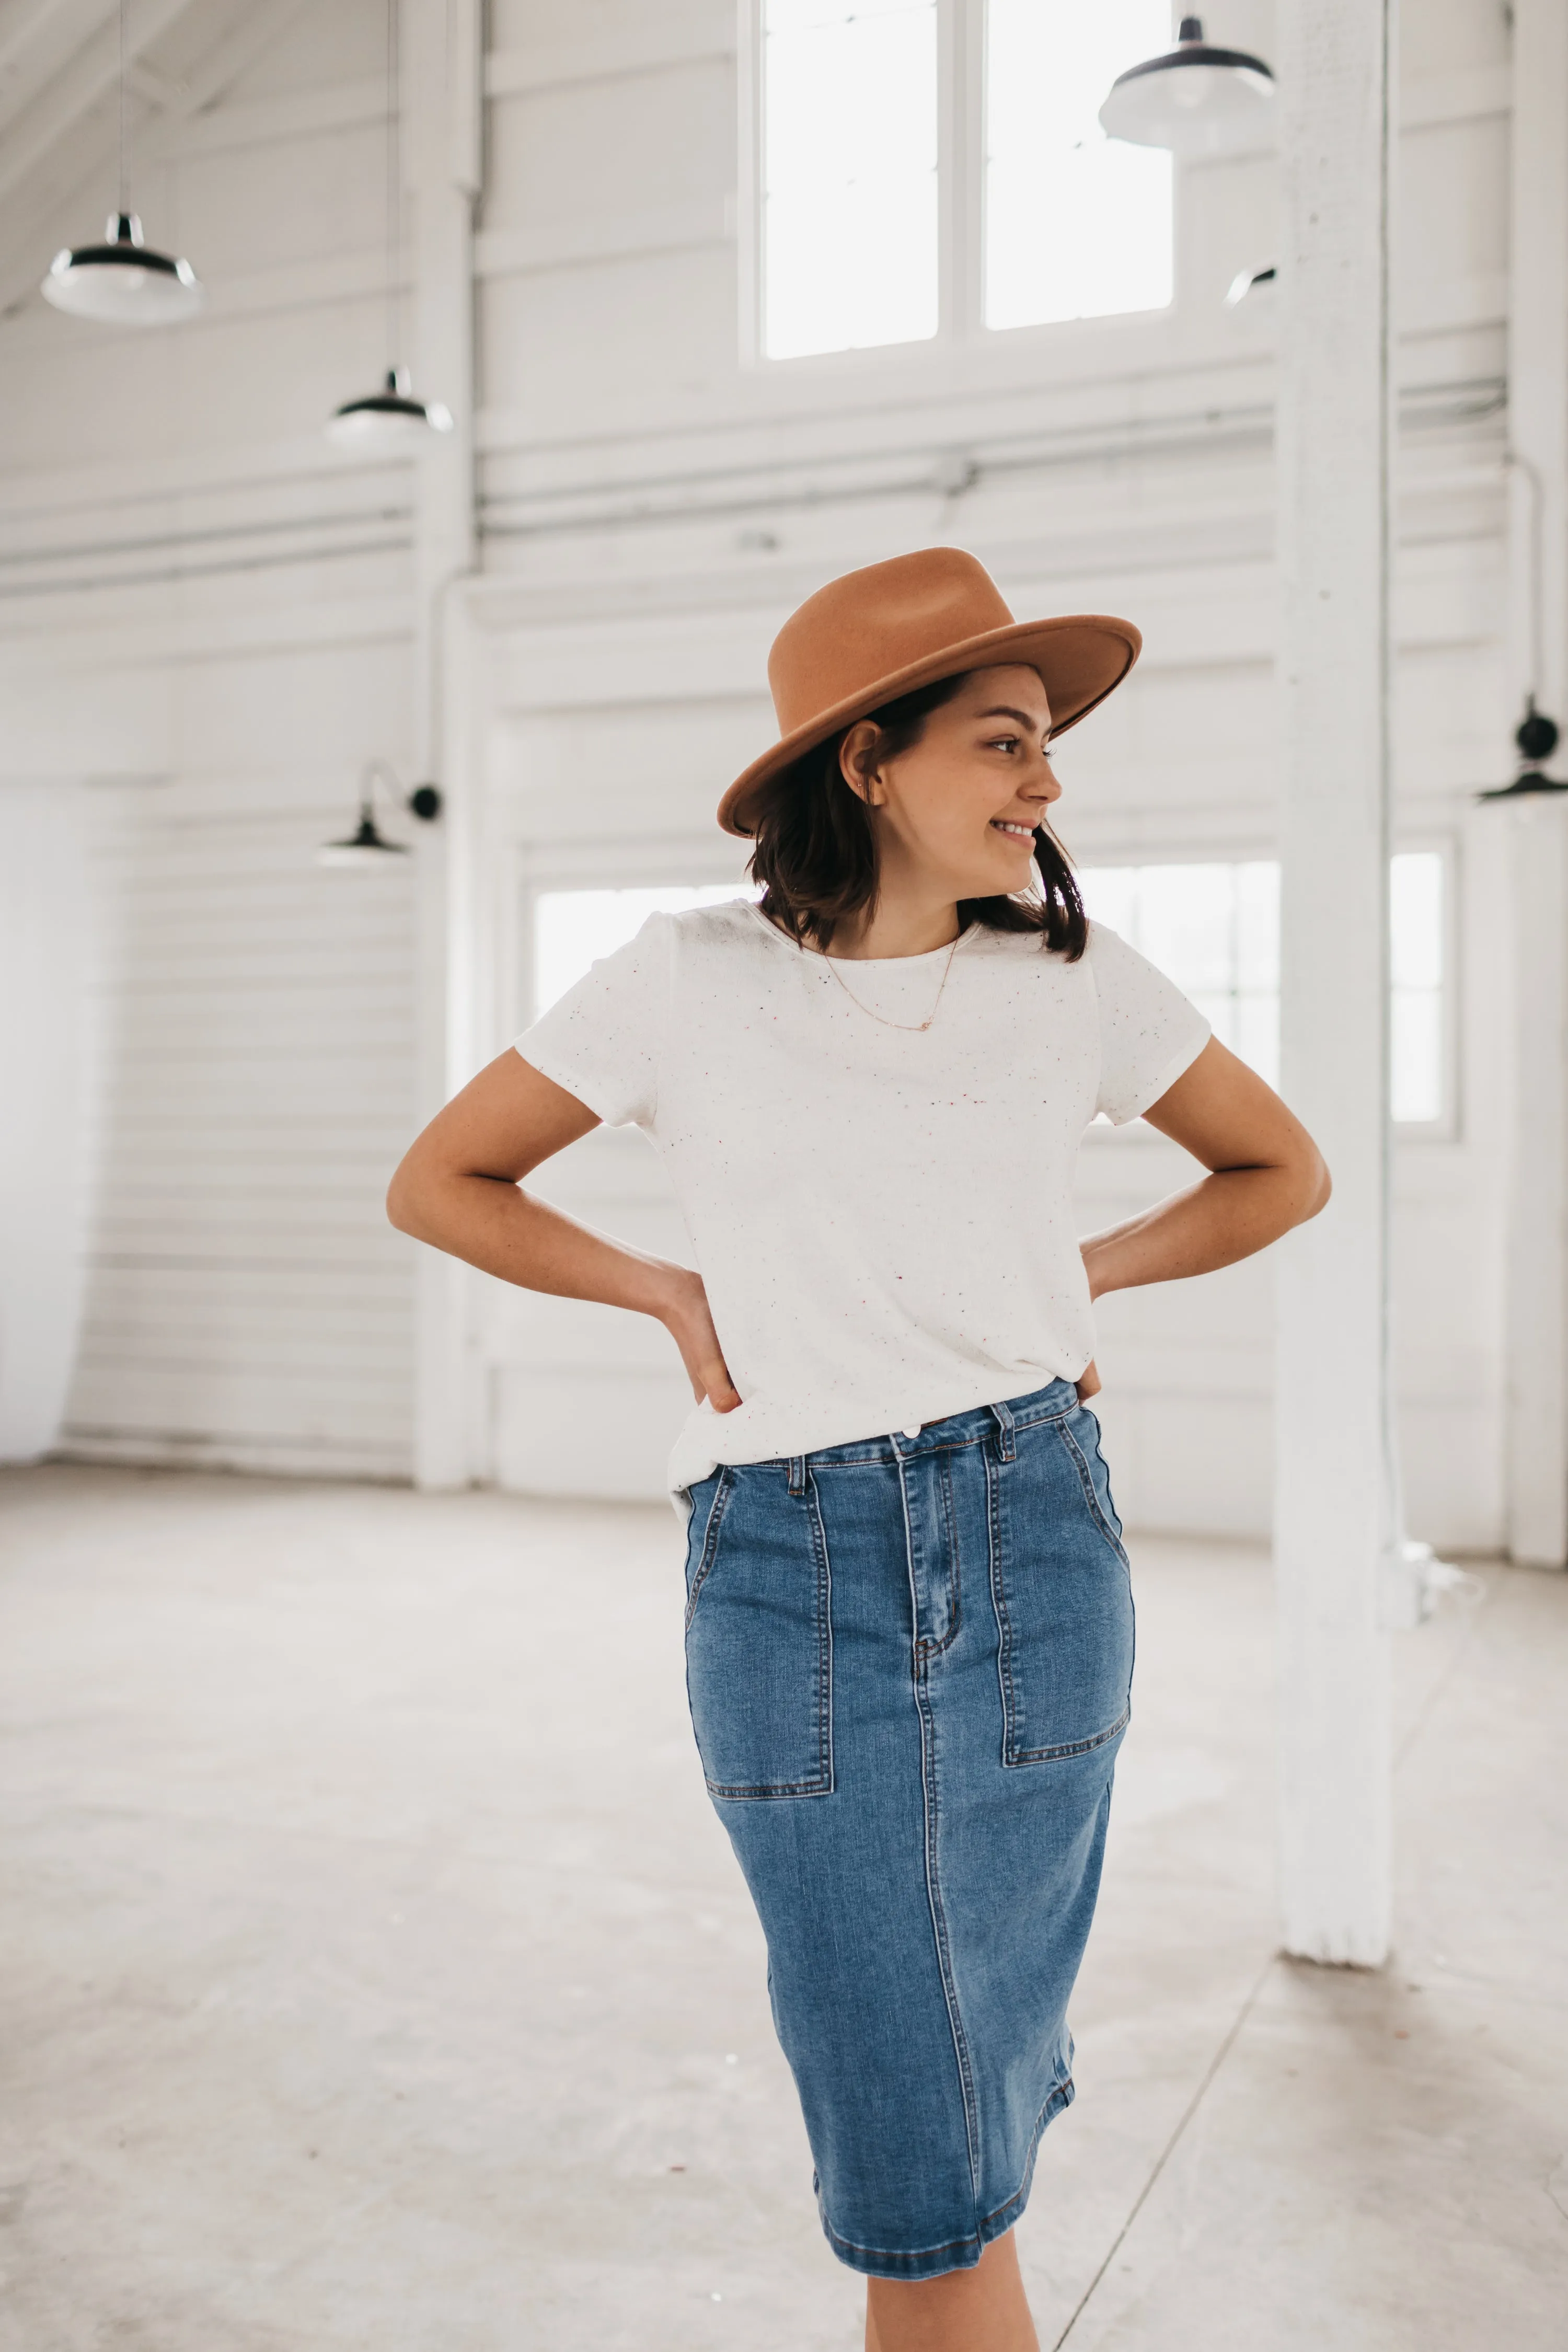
1536 868
1537 1319
1335 1508
442 67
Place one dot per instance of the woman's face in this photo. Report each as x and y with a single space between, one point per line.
956 812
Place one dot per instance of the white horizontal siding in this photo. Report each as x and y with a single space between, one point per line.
247 1303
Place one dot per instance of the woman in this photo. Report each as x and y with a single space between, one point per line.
909 1619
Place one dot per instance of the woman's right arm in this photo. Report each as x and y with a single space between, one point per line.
459 1188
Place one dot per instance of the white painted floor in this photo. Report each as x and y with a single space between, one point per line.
375 1974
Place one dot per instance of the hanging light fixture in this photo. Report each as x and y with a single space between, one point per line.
1255 285
367 847
1195 99
122 282
390 422
1537 736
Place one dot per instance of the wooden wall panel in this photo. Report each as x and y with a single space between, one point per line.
247 1303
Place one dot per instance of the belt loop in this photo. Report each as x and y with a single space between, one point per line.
797 1473
1004 1432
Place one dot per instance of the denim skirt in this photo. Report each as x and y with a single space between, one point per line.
910 1663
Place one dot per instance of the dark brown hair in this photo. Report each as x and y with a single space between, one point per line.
815 852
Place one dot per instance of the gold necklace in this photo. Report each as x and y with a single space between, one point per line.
915 1028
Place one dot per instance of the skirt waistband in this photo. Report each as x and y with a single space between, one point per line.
1052 1403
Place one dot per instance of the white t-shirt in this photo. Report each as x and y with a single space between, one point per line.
882 1216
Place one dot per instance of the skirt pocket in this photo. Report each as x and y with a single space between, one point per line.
759 1639
1062 1594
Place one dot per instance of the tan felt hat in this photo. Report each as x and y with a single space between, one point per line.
881 633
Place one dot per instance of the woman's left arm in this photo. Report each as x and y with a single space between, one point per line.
1266 1174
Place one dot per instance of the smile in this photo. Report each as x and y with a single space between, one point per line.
1018 832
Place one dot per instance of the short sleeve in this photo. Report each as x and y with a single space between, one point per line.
603 1040
1149 1032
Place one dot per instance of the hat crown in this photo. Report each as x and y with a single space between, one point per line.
873 623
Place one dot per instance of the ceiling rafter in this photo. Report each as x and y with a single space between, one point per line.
54 113
38 40
84 128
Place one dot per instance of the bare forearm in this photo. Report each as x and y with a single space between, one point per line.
503 1230
458 1188
1228 1216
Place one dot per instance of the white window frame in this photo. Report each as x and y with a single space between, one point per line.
582 864
1447 1128
961 328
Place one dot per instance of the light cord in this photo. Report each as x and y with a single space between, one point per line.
124 176
394 179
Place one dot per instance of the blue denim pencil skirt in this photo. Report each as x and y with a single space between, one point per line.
910 1663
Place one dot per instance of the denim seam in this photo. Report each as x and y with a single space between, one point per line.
1100 1456
821 1782
824 1636
1013 1754
1072 1747
1062 2096
934 1882
954 1579
1086 1479
999 1603
716 1509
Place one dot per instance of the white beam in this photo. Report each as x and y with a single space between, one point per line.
270 122
441 101
81 125
664 39
1537 1344
248 29
1335 1498
37 38
92 73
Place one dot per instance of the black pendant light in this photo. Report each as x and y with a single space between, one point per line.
390 422
1195 99
1537 738
367 847
122 282
1254 286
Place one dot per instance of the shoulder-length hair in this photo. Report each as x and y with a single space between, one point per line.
814 850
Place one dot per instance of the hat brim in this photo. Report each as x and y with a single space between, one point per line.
1081 658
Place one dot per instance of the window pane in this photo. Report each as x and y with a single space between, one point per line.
1212 928
1258 924
1417 1077
1219 1011
1109 892
1256 1033
1185 923
572 928
1215 930
1076 226
1416 918
1415 963
849 193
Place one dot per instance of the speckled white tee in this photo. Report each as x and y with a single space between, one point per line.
882 1216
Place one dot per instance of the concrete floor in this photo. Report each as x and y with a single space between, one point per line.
375 1974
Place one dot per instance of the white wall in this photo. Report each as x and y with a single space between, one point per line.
203 609
652 505
45 1048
